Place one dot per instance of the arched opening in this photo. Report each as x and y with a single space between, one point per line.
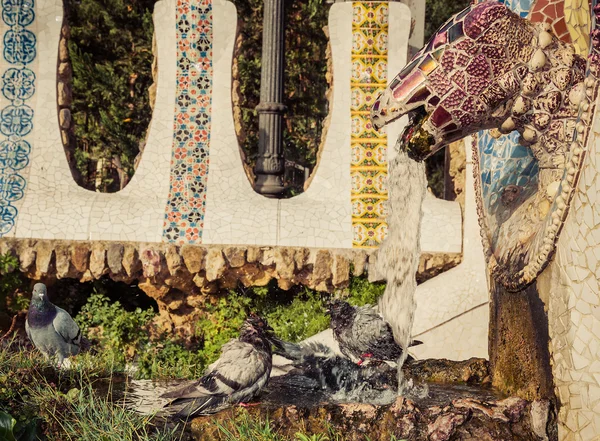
105 72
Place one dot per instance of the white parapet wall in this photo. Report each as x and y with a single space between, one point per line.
54 207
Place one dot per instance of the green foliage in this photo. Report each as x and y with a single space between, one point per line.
111 55
222 322
10 281
304 317
11 430
168 359
123 337
294 316
363 292
438 11
120 333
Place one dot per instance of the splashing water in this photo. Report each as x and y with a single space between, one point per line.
398 256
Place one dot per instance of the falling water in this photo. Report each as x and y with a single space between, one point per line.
398 256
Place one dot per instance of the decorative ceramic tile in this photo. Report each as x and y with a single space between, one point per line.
578 19
184 217
368 168
16 118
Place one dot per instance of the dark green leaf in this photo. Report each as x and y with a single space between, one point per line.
7 423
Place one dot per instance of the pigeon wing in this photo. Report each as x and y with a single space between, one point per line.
66 327
239 369
239 366
27 331
374 335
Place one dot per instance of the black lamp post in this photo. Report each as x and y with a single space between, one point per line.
269 166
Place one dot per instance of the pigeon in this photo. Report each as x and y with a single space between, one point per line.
320 370
238 375
51 329
362 333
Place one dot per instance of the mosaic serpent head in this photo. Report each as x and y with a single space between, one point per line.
488 68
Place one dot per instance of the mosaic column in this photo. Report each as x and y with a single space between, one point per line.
16 116
184 214
368 167
269 166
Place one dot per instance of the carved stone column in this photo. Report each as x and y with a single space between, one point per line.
269 166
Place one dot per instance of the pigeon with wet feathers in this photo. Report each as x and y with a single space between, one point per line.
51 329
326 375
238 375
362 333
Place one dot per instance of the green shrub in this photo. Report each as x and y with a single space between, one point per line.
363 292
121 334
223 321
304 317
10 281
123 337
168 359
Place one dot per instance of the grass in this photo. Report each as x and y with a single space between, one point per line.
67 402
77 404
80 414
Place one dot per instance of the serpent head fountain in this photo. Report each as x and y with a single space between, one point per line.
488 68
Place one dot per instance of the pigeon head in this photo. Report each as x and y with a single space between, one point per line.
39 294
254 324
339 308
340 312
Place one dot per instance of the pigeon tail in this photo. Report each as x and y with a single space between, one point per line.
300 352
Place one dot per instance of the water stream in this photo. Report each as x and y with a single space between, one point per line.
398 256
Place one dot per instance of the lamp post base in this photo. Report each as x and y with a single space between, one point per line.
270 186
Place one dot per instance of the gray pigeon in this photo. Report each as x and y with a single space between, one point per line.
51 329
238 375
362 333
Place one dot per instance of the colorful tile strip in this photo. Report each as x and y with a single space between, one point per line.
368 166
184 214
16 118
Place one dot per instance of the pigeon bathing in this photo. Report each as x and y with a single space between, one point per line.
51 329
238 375
319 370
362 333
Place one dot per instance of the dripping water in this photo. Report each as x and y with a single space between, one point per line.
398 256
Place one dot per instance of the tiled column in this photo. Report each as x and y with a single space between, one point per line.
16 109
184 213
369 147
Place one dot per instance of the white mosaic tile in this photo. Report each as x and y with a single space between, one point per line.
573 313
55 207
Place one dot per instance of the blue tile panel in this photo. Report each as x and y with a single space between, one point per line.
16 116
521 7
184 213
503 161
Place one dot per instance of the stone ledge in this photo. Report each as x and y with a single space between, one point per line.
180 278
208 267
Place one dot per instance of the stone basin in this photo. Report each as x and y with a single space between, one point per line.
455 411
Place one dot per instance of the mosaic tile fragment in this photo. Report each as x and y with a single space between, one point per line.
16 118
